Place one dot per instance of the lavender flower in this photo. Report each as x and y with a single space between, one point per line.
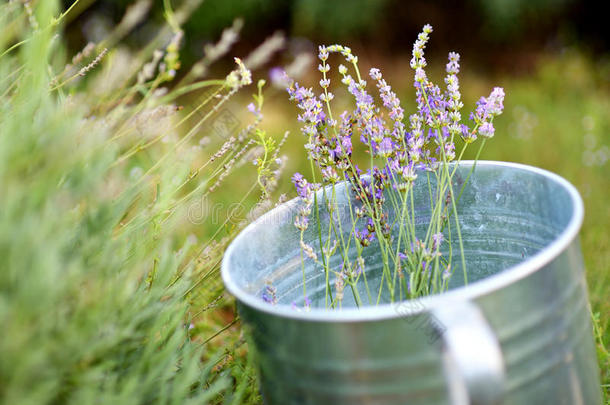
489 107
323 54
327 97
309 251
301 222
447 272
467 135
330 174
339 286
399 151
345 132
269 294
408 173
418 60
437 239
304 188
313 113
487 130
366 114
416 144
364 237
359 266
449 151
453 66
392 103
495 102
386 147
307 303
454 105
256 111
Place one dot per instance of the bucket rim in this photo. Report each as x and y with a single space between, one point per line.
420 305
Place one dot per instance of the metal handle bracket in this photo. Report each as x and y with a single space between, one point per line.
473 361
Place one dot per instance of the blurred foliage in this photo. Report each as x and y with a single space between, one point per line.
107 295
341 19
389 25
506 17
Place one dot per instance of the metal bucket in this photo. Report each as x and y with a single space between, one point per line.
519 333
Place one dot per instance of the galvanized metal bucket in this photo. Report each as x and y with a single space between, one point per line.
519 333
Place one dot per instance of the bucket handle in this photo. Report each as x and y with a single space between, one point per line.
472 358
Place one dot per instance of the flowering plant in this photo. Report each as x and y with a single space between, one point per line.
399 150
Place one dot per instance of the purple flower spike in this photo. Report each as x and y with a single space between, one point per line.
496 101
391 102
489 107
304 188
364 237
399 152
386 147
453 67
323 53
487 130
437 239
269 294
467 135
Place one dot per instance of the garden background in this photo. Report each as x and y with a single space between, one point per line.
109 284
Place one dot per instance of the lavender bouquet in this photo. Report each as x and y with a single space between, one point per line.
381 208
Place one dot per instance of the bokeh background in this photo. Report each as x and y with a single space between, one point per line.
551 56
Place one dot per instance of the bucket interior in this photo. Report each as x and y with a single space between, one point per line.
507 214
